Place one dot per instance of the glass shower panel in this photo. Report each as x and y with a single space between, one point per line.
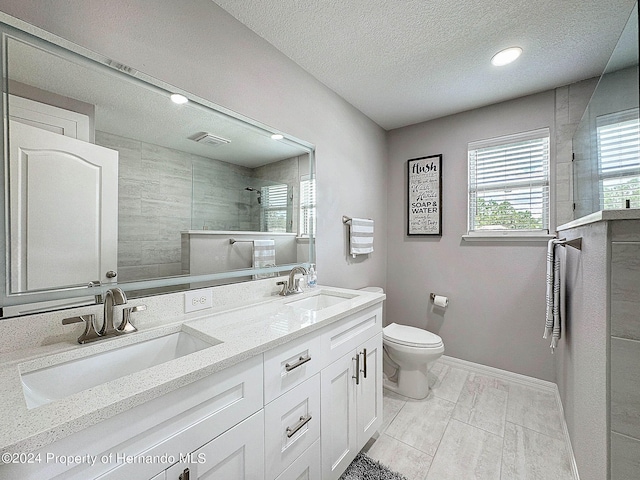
606 145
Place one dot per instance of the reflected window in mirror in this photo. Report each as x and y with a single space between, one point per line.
618 147
307 206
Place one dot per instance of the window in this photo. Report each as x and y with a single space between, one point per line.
509 184
618 146
307 206
274 201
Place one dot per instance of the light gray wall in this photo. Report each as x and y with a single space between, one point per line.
496 290
197 46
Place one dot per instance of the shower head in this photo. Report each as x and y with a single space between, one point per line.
251 189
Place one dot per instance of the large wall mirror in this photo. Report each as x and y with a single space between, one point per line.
109 181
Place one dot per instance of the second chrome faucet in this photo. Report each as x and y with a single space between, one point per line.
293 285
112 297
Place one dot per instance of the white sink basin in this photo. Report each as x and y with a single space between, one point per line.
317 302
51 383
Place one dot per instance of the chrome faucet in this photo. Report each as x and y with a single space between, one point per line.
293 285
112 297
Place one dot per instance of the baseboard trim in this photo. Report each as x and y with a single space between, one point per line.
526 381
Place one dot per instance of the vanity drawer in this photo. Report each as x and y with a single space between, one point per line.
346 334
290 364
292 425
306 466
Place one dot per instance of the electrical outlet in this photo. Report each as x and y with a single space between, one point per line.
198 300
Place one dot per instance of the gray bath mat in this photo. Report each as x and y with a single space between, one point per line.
364 468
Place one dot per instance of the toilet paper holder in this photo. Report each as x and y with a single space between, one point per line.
439 300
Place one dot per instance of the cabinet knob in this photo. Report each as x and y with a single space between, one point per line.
111 274
184 475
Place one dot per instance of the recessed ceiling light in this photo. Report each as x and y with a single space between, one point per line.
277 136
179 99
506 56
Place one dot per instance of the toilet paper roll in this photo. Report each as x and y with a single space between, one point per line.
440 301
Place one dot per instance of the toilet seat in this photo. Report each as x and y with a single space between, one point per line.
408 336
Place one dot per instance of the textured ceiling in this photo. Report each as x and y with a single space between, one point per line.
401 62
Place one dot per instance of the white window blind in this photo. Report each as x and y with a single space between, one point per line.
509 184
618 146
307 206
274 208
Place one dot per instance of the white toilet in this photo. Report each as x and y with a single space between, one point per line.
409 350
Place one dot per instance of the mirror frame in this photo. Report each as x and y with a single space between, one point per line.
15 28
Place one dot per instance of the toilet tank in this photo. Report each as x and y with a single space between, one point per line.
376 290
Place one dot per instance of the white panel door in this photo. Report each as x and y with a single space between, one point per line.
50 118
369 390
63 208
338 416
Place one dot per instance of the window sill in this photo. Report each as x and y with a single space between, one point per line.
503 237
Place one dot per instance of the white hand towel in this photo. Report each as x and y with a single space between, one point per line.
361 236
552 325
264 255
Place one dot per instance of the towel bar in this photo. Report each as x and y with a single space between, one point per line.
346 219
575 243
233 240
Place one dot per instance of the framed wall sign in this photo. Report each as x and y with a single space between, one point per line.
425 195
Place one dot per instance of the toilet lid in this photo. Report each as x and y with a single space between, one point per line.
410 336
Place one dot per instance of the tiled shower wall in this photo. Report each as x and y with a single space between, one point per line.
155 191
625 350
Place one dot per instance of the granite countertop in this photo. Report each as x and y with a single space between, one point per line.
244 333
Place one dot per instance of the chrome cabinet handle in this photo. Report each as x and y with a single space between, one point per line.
301 361
357 375
111 274
291 431
364 355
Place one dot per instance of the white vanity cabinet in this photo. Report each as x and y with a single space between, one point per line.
351 388
301 410
324 417
145 440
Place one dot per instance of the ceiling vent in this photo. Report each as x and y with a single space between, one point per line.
209 139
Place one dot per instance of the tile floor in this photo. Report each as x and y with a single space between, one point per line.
474 425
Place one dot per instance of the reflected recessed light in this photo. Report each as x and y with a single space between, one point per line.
179 99
277 136
506 56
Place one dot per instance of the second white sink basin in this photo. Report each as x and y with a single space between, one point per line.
51 383
317 302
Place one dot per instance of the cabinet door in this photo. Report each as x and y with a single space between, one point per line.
338 416
237 454
369 390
